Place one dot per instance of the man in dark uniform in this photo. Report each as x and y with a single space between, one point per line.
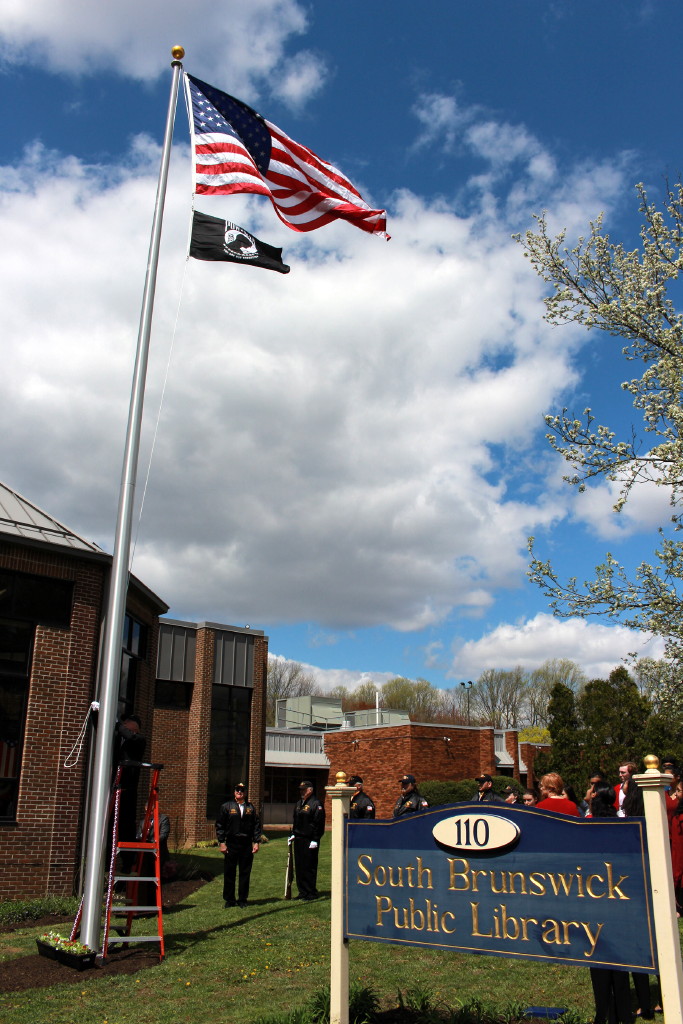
129 745
361 804
486 794
238 830
410 801
307 831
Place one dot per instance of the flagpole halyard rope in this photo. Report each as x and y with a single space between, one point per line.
161 405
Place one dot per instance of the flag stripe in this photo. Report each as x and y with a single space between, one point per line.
315 170
306 191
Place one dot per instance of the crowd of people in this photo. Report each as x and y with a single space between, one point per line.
238 829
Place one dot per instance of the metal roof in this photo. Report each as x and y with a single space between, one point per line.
20 518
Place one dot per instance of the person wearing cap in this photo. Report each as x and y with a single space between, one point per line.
238 830
361 804
410 800
486 794
307 831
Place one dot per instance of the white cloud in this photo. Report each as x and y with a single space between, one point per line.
236 44
301 78
503 143
647 508
325 445
442 119
328 678
595 647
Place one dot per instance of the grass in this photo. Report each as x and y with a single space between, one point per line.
239 966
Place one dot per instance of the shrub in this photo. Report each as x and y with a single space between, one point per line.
437 792
16 911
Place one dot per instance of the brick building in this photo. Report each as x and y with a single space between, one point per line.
209 721
203 716
381 754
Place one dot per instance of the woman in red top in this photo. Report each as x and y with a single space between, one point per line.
554 797
677 846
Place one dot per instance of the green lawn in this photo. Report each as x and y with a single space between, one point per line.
235 965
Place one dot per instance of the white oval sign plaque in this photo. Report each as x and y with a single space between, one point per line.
476 832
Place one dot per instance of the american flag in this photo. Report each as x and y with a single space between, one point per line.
237 150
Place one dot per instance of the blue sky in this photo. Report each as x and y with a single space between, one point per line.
351 457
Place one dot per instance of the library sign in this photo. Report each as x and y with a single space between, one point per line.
507 881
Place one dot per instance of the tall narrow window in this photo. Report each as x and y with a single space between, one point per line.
16 647
134 651
229 743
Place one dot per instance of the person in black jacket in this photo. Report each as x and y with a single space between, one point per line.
361 804
485 794
238 830
307 831
610 988
410 800
129 745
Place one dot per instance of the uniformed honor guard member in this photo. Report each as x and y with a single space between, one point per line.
307 831
410 800
238 830
361 804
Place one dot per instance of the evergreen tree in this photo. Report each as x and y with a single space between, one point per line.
565 755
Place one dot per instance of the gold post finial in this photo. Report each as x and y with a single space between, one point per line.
341 778
651 762
178 52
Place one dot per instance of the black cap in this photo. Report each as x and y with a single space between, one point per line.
239 785
354 779
407 778
483 778
306 784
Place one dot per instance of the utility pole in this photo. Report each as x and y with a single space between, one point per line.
468 687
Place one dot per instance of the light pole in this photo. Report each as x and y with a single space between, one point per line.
468 686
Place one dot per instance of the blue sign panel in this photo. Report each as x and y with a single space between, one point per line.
504 880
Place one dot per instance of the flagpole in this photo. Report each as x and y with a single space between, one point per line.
100 782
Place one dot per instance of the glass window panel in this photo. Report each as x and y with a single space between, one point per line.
228 744
16 644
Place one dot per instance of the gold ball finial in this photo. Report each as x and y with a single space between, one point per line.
341 778
651 762
178 52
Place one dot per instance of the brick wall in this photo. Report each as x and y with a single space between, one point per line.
382 754
40 853
528 753
512 746
197 826
257 739
182 744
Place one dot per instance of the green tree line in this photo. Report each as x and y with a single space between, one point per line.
556 700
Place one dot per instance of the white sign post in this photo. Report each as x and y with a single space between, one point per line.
653 783
340 797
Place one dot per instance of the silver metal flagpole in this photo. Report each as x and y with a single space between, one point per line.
100 782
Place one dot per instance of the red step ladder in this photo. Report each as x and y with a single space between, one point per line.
146 847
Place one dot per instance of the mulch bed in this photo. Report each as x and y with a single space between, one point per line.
36 971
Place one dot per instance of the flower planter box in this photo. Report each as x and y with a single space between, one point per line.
45 949
80 961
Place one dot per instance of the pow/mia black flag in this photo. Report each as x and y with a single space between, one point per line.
216 239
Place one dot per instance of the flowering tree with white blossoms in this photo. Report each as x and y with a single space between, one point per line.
599 284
